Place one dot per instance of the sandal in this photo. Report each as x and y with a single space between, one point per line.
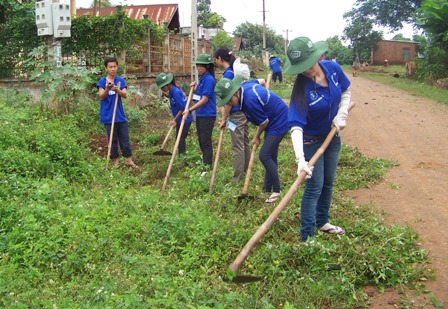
273 197
332 229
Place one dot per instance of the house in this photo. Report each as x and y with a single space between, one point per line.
396 52
161 14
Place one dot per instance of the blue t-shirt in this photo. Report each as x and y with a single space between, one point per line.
228 73
107 105
274 64
206 87
178 100
260 104
322 101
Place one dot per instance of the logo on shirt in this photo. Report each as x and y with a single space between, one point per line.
334 79
313 95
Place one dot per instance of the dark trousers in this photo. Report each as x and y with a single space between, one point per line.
120 136
204 126
268 156
279 75
182 144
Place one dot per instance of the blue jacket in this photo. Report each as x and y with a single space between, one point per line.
322 101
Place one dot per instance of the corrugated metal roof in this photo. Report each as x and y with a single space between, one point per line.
158 13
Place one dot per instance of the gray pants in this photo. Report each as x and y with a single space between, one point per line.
240 145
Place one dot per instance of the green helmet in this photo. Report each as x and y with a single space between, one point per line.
204 59
164 79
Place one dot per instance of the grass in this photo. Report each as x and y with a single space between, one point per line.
75 235
385 75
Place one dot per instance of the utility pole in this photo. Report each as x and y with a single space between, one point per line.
194 39
265 60
286 41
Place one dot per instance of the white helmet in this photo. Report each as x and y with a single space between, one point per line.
241 69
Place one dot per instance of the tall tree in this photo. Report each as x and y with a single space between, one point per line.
203 12
365 14
252 35
216 21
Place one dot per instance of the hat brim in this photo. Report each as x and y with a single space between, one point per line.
294 69
169 79
203 62
236 84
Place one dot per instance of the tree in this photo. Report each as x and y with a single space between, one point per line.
216 21
361 35
222 39
365 14
203 12
433 18
336 49
252 35
400 37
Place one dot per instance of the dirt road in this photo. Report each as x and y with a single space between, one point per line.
392 124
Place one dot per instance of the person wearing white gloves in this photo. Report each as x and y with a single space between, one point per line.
319 100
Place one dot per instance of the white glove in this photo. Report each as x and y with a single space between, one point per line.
340 119
297 143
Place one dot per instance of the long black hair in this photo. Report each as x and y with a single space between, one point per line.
225 54
298 94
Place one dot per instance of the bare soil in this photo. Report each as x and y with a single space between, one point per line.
391 124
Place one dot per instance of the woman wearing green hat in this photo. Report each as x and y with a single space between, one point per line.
319 100
205 105
178 100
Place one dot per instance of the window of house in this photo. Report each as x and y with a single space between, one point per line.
406 54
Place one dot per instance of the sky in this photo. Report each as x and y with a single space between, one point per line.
317 19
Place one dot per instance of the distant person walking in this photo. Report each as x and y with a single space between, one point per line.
276 66
108 90
178 101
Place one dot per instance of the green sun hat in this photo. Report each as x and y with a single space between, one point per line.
226 88
204 59
163 79
303 54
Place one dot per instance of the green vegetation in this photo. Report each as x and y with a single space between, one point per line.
76 235
385 75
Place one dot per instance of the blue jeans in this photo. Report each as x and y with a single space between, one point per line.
268 157
316 200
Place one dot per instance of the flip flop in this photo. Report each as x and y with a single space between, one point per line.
332 229
273 198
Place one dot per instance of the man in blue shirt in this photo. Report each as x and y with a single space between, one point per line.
109 87
275 65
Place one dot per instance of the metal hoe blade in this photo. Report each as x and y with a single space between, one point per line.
162 152
242 279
